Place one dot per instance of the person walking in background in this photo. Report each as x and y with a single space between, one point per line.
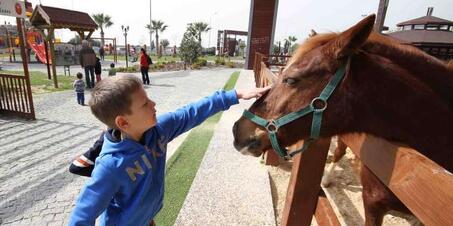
87 61
101 53
79 88
98 69
145 61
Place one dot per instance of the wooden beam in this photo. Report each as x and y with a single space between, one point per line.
52 54
20 30
422 185
324 214
81 34
304 184
89 34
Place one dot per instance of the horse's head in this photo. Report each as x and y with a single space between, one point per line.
304 78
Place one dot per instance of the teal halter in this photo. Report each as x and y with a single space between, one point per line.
272 126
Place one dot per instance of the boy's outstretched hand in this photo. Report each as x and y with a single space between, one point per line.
251 93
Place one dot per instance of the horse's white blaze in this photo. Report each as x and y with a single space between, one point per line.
327 178
246 151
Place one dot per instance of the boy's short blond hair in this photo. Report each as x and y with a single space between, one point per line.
111 97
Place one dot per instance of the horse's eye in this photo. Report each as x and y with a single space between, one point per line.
289 81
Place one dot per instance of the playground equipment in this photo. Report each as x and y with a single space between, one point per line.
51 18
225 44
15 90
110 48
36 43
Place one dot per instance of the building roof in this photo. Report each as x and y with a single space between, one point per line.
423 36
426 20
45 16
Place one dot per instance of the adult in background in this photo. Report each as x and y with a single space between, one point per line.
87 61
145 61
102 53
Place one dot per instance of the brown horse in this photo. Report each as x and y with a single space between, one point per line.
389 90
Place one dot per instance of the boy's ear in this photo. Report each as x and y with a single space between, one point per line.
121 122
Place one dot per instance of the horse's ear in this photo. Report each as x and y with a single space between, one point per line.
349 41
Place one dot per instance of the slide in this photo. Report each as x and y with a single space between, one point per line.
40 51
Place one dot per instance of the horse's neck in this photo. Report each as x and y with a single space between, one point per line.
430 70
395 105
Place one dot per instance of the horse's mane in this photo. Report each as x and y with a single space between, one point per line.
437 74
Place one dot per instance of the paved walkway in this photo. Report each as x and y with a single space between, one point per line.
35 66
35 185
229 188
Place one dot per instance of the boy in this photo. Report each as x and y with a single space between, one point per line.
112 70
79 88
127 183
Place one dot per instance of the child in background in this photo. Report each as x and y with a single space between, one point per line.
98 69
79 88
112 70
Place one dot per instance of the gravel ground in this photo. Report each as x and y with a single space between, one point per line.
36 187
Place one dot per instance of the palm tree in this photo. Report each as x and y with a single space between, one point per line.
103 21
151 32
198 28
288 44
164 43
292 39
158 26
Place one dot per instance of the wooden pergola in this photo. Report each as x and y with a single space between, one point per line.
46 19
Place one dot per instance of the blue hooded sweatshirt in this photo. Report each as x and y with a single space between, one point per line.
127 183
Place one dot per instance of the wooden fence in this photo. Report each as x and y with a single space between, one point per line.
422 185
15 96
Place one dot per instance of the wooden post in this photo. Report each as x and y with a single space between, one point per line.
325 215
422 185
52 53
115 56
263 17
304 184
271 158
46 48
8 42
25 65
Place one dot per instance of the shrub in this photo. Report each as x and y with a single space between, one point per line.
230 64
190 48
219 61
196 66
201 62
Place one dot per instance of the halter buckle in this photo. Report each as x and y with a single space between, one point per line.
318 99
271 127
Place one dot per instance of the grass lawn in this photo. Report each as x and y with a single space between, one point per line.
41 84
183 165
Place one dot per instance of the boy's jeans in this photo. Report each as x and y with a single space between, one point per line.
81 98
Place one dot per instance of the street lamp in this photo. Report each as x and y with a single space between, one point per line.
210 25
150 30
125 30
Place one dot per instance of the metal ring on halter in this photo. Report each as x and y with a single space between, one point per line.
271 127
312 104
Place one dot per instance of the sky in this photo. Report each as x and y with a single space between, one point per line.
295 17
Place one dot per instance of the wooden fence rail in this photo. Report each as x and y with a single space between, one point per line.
15 96
422 185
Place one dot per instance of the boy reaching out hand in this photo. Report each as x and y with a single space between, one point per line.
127 182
